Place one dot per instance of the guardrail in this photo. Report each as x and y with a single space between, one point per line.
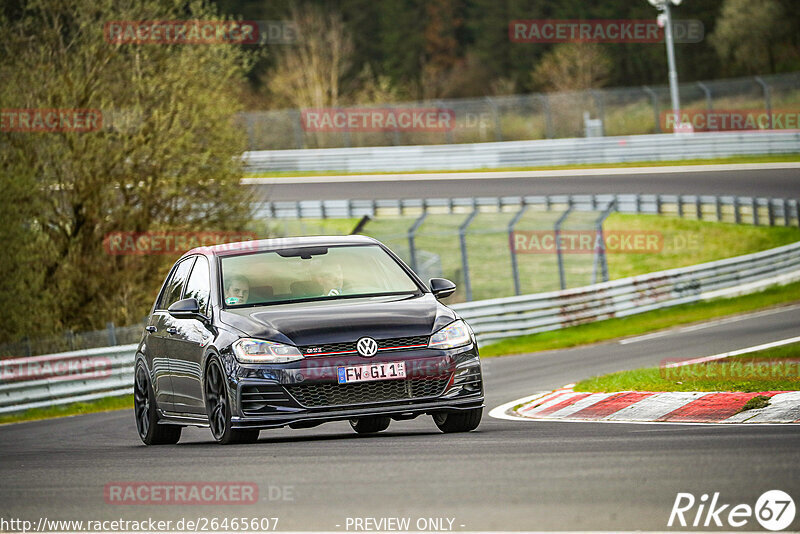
578 150
529 314
54 379
755 210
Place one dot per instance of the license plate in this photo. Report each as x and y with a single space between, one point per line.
375 371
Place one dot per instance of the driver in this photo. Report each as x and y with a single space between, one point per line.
331 278
237 289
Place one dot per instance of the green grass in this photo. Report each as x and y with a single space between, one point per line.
643 323
773 369
776 158
77 408
689 241
756 403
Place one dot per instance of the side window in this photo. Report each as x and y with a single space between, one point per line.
198 285
172 291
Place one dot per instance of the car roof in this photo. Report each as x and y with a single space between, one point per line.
262 245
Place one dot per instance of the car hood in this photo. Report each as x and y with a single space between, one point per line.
342 320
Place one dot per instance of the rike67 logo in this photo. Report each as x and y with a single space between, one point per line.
774 510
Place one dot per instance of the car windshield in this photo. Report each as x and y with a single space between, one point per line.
311 273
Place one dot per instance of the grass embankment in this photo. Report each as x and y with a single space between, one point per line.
75 408
775 369
777 158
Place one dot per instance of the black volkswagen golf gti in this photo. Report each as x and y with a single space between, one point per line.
298 332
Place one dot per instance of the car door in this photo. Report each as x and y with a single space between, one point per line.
187 345
161 336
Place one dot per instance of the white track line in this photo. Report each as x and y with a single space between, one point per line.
747 350
478 175
708 324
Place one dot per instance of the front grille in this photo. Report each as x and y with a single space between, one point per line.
262 398
398 343
315 395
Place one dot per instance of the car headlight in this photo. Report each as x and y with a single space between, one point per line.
456 334
260 351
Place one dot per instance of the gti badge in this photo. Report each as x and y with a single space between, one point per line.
367 347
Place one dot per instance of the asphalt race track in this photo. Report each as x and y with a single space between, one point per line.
507 475
778 183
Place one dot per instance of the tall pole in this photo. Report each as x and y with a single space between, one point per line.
665 19
673 74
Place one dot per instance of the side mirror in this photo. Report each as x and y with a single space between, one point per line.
442 287
184 309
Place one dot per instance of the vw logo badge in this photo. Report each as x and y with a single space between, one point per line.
367 347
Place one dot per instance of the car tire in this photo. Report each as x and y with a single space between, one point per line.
465 421
218 408
146 412
370 425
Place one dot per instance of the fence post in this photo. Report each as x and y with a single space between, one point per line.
767 98
770 212
654 101
448 134
680 206
786 215
601 112
462 237
797 211
112 333
557 232
698 207
412 252
297 126
658 204
513 247
737 211
719 208
548 118
796 203
498 129
707 92
600 251
754 205
347 141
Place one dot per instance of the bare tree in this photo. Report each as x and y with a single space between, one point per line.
573 67
310 73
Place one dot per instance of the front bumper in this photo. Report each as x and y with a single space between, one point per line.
308 393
